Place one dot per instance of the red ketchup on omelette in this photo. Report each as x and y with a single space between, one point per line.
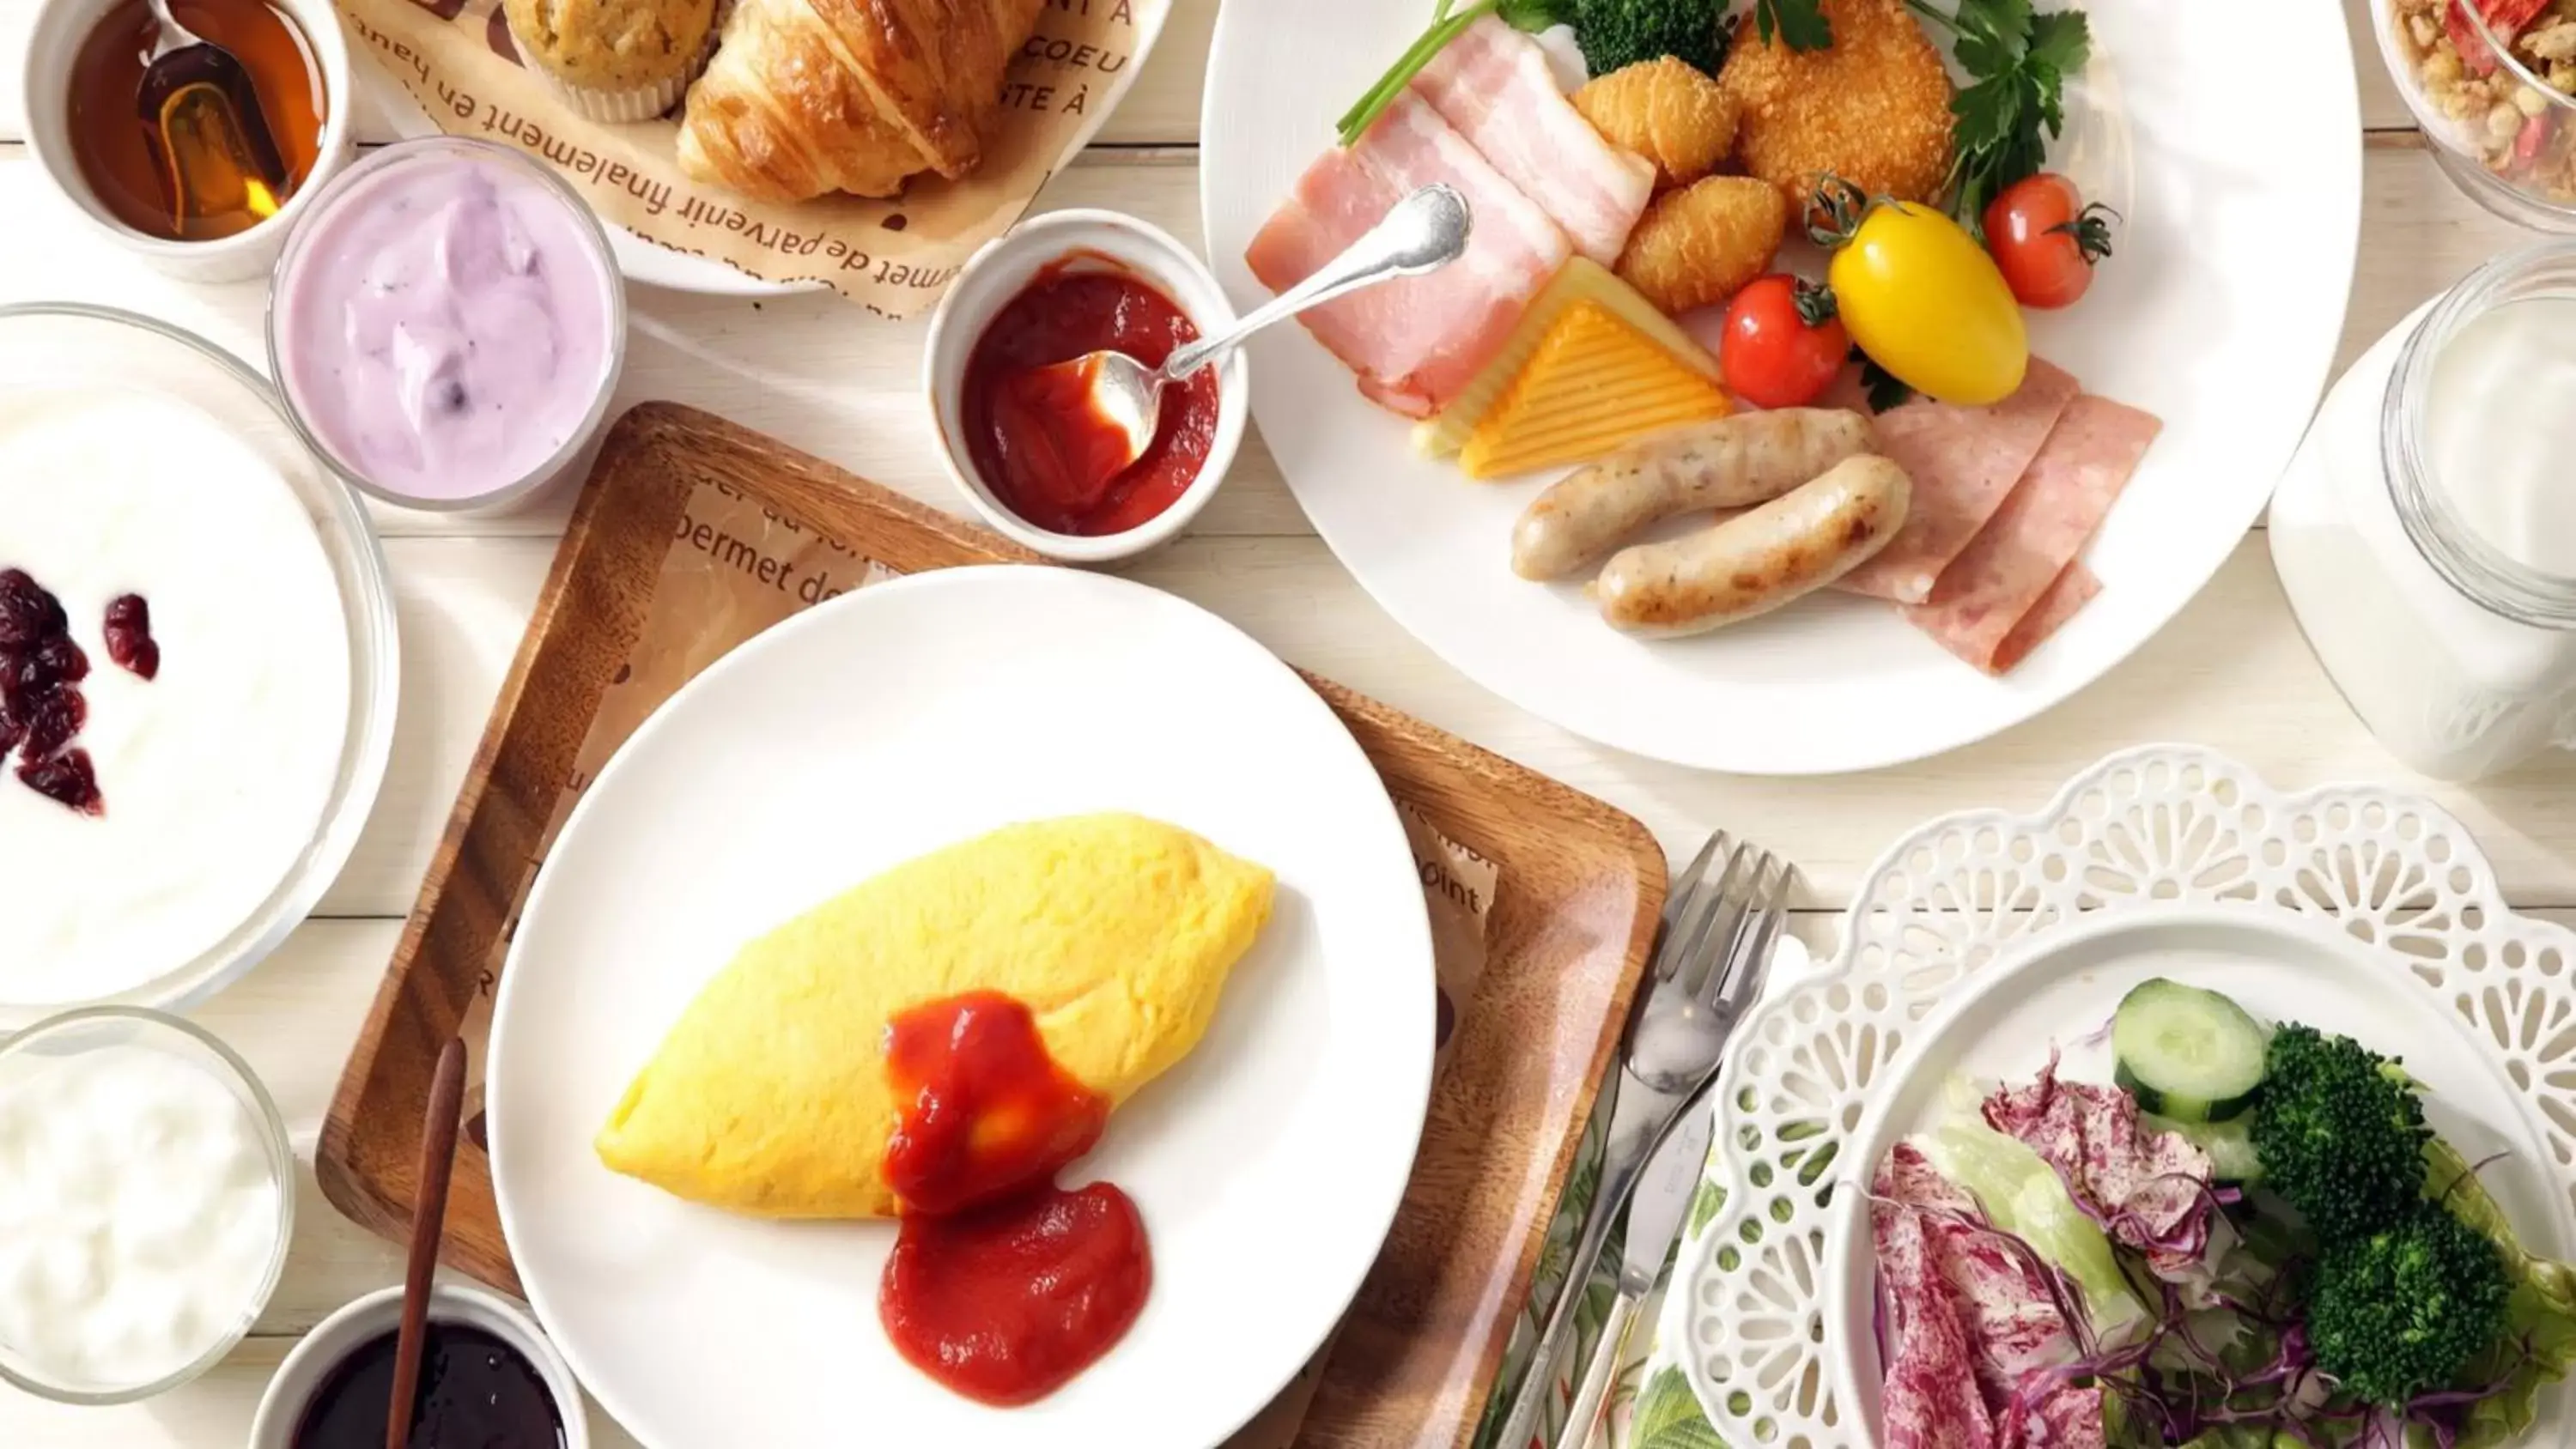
1002 1285
1032 430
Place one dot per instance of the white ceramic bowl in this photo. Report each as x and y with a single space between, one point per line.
44 85
71 345
100 1028
380 1312
995 275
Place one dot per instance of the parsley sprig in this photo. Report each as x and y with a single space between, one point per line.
1800 24
2018 60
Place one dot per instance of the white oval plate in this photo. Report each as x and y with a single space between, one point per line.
871 729
2230 138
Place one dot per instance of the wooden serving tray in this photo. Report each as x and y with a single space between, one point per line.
1580 886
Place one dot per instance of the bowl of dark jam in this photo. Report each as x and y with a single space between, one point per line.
489 1379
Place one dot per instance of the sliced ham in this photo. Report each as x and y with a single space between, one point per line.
2019 579
1415 342
1964 462
2075 587
1493 84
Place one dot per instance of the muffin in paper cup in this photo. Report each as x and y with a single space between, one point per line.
617 61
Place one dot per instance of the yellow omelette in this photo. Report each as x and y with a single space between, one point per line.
770 1095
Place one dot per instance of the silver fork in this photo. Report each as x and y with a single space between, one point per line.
1729 910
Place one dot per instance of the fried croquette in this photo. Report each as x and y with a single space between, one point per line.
1696 246
1665 111
1874 108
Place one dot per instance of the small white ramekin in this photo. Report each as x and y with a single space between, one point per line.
45 75
350 1328
995 275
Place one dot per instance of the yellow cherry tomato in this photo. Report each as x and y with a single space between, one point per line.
1927 303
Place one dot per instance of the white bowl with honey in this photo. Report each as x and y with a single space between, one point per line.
197 160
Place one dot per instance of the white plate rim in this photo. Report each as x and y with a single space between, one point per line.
1379 563
1410 1097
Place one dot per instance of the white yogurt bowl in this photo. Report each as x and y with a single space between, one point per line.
78 1038
46 347
45 87
995 275
352 1327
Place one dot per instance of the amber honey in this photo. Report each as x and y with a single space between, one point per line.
116 144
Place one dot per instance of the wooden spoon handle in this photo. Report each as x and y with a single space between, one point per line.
428 1223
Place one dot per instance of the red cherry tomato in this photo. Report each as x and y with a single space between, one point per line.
2046 240
1782 342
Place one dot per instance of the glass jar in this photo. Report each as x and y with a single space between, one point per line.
2456 645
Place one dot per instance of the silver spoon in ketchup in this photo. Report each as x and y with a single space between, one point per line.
1425 230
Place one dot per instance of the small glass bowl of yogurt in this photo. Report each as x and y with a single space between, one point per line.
447 326
231 784
147 1200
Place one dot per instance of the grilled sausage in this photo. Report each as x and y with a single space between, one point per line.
1758 560
1734 462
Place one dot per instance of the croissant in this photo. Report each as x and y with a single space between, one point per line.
806 97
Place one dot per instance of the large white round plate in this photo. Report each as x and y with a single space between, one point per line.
2229 136
900 718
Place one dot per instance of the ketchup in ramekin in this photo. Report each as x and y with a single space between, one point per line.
1036 441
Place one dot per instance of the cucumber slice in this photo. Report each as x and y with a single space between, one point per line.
2230 1145
2185 1053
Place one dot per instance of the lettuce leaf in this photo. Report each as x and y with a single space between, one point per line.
2024 1196
2541 1313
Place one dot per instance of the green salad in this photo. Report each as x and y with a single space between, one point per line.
2248 1239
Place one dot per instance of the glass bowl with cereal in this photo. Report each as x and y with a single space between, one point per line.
2493 83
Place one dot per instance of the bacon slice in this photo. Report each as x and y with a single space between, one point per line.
1493 84
1415 342
1988 607
1964 462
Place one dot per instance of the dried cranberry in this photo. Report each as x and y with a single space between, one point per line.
28 614
41 667
59 661
51 722
66 779
129 636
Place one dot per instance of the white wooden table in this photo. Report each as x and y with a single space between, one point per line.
2231 672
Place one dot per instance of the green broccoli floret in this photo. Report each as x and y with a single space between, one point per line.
1614 34
2340 1137
2402 1311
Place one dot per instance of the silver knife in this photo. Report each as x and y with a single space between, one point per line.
1655 1214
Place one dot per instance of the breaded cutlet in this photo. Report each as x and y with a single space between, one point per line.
1874 108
